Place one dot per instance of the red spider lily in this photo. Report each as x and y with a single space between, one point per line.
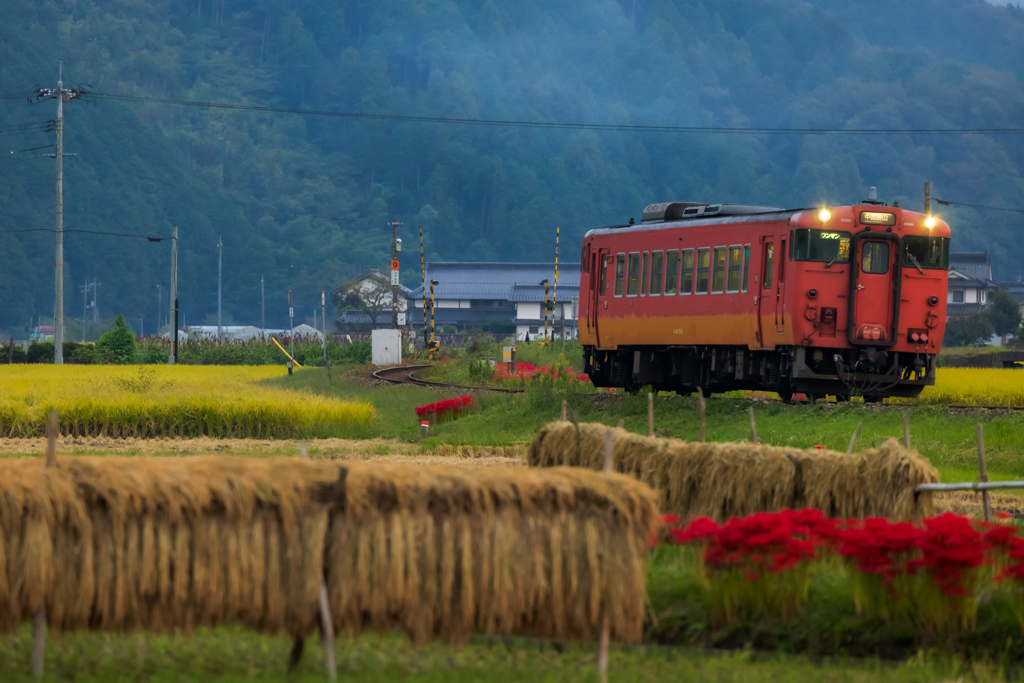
448 409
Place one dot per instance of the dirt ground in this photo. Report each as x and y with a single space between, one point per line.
348 449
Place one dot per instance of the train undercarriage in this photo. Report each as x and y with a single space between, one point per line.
814 371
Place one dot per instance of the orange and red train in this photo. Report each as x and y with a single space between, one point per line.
843 301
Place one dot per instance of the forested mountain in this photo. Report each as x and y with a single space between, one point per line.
305 200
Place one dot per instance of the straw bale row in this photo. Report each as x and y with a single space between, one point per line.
723 480
156 543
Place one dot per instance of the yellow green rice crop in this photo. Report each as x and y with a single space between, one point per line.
152 401
974 386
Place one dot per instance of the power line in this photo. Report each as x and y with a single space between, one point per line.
91 232
572 126
978 206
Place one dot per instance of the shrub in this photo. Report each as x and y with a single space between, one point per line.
117 345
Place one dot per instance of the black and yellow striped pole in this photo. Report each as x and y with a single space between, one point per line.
432 345
423 270
554 294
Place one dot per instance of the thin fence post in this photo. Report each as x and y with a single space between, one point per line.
986 504
753 427
853 439
650 413
39 623
700 395
606 625
906 428
565 404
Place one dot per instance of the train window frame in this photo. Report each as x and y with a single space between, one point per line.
702 270
745 280
767 265
605 263
632 282
620 275
924 263
651 289
584 264
716 270
729 268
675 272
685 272
644 273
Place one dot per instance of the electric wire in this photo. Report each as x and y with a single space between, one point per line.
570 125
979 206
90 232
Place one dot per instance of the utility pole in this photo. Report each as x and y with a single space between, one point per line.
159 305
62 95
395 248
85 305
263 308
173 355
220 277
423 272
323 316
554 293
291 326
927 198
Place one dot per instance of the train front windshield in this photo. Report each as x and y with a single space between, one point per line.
926 252
828 246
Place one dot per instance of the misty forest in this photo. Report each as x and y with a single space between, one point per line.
304 201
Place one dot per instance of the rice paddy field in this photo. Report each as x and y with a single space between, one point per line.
336 414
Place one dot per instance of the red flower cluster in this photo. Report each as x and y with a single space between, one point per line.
446 410
945 549
528 372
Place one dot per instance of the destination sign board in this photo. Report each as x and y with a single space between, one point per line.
877 218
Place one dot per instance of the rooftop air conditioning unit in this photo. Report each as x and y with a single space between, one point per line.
667 211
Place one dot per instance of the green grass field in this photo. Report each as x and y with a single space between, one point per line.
231 654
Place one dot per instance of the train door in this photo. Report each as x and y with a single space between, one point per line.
766 296
872 291
780 286
599 287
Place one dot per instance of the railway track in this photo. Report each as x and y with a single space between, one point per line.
403 374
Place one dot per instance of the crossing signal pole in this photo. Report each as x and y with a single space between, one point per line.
62 95
396 246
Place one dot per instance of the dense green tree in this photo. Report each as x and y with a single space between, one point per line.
117 345
1004 314
302 202
968 330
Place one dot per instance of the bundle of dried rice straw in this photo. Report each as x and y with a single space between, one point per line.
723 480
121 543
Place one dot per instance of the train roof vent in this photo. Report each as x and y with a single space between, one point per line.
737 209
693 212
667 211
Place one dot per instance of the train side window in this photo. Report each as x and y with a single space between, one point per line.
604 275
718 274
633 274
620 273
686 284
657 261
782 262
703 270
769 264
643 276
746 267
672 273
732 282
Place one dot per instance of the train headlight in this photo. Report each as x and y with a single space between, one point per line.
824 215
929 222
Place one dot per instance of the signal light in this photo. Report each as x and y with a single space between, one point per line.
824 215
932 300
811 293
929 222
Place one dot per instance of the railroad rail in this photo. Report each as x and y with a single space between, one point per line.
404 374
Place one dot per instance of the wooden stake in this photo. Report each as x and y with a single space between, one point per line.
906 428
303 453
39 623
753 427
606 625
565 404
52 433
984 472
650 414
327 625
700 395
853 439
